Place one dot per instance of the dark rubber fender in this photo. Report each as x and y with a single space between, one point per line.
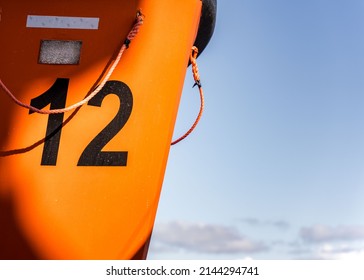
207 24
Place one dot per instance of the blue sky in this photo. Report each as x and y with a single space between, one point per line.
275 169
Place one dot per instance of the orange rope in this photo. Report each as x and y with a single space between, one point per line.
132 34
196 77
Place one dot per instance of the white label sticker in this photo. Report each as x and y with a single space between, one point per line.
34 21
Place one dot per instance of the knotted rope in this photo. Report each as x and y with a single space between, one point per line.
132 34
196 77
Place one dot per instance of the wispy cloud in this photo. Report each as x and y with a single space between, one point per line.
279 224
338 252
310 242
323 233
327 251
204 238
329 242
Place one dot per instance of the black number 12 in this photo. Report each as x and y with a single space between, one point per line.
93 154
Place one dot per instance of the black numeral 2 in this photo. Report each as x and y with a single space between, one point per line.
93 154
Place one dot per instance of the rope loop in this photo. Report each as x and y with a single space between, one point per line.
196 77
132 34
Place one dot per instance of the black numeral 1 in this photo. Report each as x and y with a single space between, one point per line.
55 96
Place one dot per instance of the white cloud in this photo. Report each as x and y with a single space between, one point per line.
325 242
204 238
323 233
279 224
327 251
338 252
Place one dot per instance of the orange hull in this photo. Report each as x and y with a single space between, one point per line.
85 184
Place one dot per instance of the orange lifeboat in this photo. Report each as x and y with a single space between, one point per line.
85 183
